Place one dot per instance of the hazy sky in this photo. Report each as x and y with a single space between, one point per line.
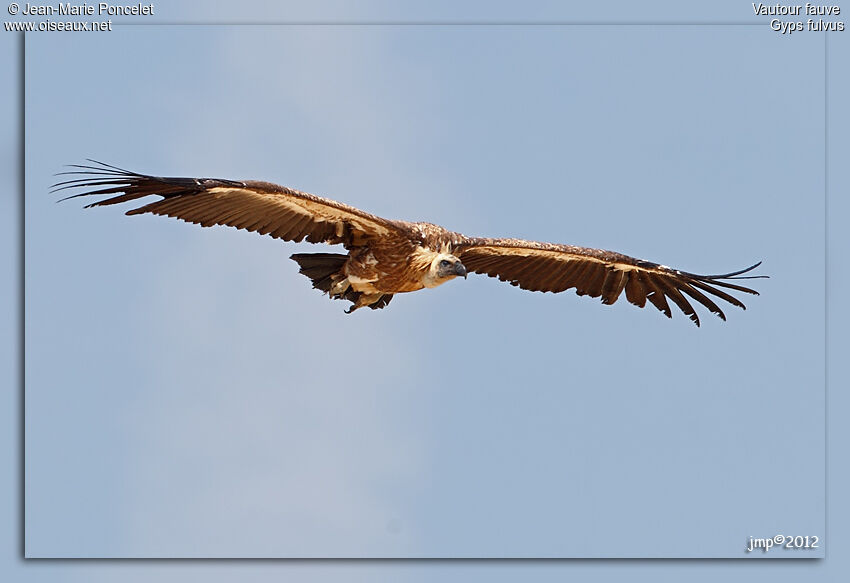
189 394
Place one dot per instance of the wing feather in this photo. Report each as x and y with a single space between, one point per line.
719 293
672 292
703 299
612 287
635 292
269 209
598 273
655 295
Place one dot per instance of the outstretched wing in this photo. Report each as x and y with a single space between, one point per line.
263 207
597 273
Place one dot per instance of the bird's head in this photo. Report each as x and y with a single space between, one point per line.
444 267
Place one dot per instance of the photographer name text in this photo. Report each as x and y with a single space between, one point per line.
86 9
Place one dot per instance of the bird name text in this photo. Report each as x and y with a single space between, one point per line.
811 24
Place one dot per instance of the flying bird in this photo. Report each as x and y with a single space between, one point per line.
388 257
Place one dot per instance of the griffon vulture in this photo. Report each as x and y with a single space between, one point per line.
387 257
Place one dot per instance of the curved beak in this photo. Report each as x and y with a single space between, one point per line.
460 269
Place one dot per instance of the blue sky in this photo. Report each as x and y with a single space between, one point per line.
188 394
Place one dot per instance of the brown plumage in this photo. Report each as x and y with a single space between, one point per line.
387 257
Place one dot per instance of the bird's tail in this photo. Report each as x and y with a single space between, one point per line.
325 270
321 268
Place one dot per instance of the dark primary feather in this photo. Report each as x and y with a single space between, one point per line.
601 274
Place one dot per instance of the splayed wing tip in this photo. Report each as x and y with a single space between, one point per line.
734 274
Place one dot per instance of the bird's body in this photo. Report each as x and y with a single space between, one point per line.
378 269
387 257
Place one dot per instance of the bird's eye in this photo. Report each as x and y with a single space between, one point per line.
445 263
